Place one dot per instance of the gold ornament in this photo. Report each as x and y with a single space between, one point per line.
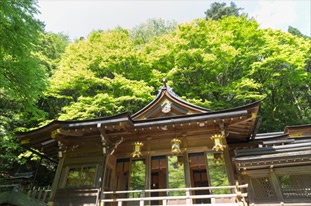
176 146
217 157
219 141
137 149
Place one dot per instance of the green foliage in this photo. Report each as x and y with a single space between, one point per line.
20 74
27 56
218 10
176 175
213 58
215 64
142 33
217 173
50 49
138 173
232 62
102 76
296 32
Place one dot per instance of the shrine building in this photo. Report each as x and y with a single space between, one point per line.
172 152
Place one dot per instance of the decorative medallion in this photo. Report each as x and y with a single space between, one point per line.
166 106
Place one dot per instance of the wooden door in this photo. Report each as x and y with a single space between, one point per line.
158 176
198 175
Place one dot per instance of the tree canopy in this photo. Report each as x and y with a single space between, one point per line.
142 33
20 73
23 81
219 10
296 32
216 64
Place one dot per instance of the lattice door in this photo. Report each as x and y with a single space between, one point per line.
262 188
295 186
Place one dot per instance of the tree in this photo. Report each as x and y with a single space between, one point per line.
50 49
296 32
142 33
20 73
23 80
231 62
101 76
218 10
215 64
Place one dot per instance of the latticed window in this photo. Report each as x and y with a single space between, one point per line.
262 188
295 186
81 176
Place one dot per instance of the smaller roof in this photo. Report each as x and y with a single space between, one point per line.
167 103
298 130
292 153
270 135
24 175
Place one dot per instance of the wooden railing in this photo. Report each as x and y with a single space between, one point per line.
237 195
38 193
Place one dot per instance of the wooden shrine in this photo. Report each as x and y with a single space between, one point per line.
175 153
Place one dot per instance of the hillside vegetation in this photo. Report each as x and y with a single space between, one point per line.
217 64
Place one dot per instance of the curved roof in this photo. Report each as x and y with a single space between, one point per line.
166 92
240 122
69 123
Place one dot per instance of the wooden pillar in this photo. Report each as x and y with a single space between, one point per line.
207 171
148 172
187 177
186 169
57 177
276 186
186 162
102 178
228 166
250 191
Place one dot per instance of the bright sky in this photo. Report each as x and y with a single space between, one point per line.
79 18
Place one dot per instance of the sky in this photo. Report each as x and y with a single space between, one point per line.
79 18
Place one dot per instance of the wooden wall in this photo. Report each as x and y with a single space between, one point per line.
74 157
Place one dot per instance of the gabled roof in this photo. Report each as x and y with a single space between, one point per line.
167 103
150 121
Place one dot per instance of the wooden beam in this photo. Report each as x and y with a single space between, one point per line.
228 166
239 130
40 155
258 123
191 118
94 123
102 178
75 133
57 178
103 135
116 145
243 120
161 133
